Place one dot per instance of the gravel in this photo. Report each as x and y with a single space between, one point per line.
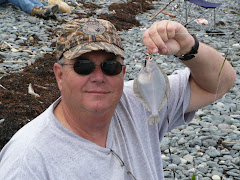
210 145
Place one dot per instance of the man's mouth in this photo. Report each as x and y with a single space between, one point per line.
97 92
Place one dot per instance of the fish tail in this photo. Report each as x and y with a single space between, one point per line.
153 119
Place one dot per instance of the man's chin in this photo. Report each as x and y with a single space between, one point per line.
100 108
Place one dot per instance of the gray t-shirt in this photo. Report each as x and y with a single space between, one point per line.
45 149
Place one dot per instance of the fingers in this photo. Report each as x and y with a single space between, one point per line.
154 41
159 37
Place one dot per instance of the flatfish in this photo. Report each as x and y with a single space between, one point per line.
151 86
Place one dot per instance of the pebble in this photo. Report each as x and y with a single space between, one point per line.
181 141
2 120
216 177
217 173
183 161
211 141
236 147
188 158
236 132
213 152
223 126
233 174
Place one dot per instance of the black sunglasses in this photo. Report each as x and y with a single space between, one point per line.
85 67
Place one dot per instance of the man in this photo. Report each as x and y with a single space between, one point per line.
33 7
97 129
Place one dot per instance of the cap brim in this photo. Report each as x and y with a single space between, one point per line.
93 46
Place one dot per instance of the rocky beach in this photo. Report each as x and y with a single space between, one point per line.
209 146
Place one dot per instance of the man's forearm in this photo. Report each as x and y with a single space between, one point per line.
205 68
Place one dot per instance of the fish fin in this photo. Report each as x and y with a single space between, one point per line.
139 96
167 91
152 120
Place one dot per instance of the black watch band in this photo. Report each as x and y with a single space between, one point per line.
193 51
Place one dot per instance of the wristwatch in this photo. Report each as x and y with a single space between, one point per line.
193 51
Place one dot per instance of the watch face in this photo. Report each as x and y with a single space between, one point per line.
93 28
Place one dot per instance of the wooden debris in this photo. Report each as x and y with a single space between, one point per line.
169 14
42 87
31 91
2 86
13 49
161 10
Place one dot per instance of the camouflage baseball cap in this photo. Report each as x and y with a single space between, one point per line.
85 35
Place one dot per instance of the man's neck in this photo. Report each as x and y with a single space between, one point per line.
93 127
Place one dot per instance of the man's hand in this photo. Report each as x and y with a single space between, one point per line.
172 38
168 38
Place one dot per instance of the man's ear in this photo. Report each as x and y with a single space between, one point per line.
58 71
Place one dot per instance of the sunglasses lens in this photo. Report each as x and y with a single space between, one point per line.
84 67
111 68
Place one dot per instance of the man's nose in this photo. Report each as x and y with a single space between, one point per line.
97 74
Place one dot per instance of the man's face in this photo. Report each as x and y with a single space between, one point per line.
93 93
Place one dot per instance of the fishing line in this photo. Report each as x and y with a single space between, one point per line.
169 146
202 33
220 72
